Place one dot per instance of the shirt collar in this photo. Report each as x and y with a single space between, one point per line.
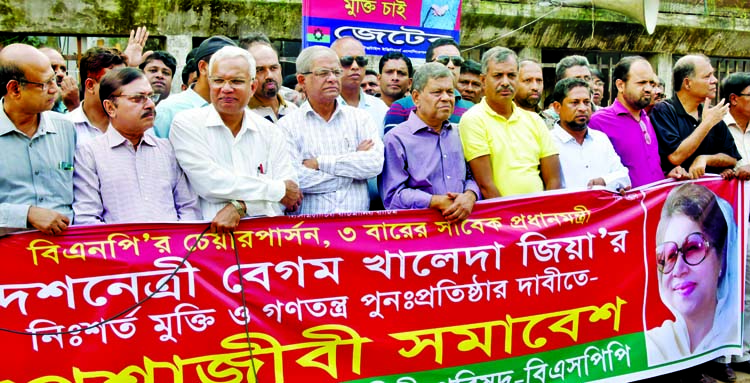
675 101
307 108
255 102
620 109
363 101
566 137
513 116
77 116
115 139
214 120
729 120
416 124
7 126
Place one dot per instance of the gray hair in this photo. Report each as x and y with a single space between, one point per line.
427 72
498 55
569 62
310 54
228 52
685 68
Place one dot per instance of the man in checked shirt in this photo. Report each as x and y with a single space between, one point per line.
335 148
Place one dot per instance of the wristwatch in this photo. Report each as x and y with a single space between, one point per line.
238 206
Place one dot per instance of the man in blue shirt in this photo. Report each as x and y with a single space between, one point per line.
36 145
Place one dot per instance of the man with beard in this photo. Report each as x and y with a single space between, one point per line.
68 98
530 85
570 66
691 133
628 126
597 87
125 175
36 146
510 150
395 77
160 68
266 101
587 157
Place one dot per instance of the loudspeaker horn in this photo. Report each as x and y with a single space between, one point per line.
645 11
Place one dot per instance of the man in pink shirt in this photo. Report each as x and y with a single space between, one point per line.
124 175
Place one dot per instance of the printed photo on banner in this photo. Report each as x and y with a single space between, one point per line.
381 25
697 269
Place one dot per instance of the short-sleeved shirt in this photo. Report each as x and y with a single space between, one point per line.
400 110
741 139
36 171
85 131
638 150
515 146
673 125
167 109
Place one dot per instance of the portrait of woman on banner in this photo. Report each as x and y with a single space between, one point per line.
696 258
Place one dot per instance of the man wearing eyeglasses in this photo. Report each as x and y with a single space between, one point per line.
124 175
353 61
444 51
196 97
237 161
690 132
36 146
89 118
628 126
334 147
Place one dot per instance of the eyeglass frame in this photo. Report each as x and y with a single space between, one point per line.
338 73
680 250
45 85
347 61
213 79
154 97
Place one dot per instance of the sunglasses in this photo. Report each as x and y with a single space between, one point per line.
348 60
457 60
693 252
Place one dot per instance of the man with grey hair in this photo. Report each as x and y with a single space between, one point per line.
570 66
690 132
510 150
334 147
530 85
236 161
424 162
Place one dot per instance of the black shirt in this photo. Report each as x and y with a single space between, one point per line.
673 125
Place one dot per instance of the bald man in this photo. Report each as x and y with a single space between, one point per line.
68 98
37 146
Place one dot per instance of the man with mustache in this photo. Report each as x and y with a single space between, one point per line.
628 126
570 66
396 71
691 133
530 85
510 150
587 157
370 84
68 99
36 146
267 101
160 68
125 175
469 81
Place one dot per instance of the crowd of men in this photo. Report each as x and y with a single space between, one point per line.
116 146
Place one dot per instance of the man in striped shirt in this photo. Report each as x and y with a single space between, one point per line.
335 148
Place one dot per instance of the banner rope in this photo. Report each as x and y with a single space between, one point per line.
246 320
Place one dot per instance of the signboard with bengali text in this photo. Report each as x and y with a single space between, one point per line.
551 288
381 25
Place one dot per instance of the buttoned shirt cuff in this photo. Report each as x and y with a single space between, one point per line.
14 215
327 164
422 200
276 191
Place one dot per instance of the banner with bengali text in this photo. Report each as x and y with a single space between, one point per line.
381 25
551 288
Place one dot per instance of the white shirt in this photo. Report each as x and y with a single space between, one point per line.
372 105
340 184
85 131
741 139
250 167
595 158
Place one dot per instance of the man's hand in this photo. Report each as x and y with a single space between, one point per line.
365 145
47 221
440 202
69 93
311 163
743 173
596 182
698 168
226 220
134 50
727 174
712 115
293 197
461 207
678 173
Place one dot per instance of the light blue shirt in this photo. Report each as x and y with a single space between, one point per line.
167 109
36 171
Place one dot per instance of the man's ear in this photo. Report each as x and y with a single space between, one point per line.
556 106
620 85
89 84
110 108
415 97
13 88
